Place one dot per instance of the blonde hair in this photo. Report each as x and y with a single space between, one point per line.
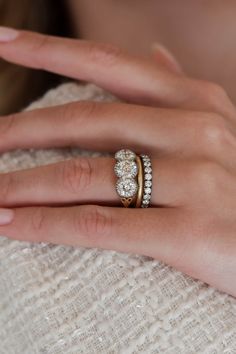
36 15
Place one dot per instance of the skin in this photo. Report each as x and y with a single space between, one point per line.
187 126
200 34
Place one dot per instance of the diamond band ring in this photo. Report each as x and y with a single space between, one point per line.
147 181
134 184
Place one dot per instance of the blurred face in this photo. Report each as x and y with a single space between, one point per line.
201 34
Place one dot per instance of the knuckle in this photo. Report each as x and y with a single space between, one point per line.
7 185
38 220
76 174
104 53
213 131
67 112
39 47
208 177
85 111
214 92
93 223
41 43
78 114
6 126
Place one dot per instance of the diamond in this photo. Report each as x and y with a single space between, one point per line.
126 187
147 163
126 168
145 202
148 184
147 197
148 169
148 177
125 154
148 190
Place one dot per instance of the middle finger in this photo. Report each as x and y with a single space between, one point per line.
108 126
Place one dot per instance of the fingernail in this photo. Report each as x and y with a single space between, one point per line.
6 216
167 56
8 34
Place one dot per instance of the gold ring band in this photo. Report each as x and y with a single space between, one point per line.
140 183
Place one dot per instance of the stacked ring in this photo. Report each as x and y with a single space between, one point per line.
147 165
134 178
126 170
139 199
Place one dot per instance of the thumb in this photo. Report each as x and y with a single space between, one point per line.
165 58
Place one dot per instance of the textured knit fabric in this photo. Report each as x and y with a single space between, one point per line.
65 300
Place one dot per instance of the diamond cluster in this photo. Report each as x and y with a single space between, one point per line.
147 165
126 170
125 154
126 187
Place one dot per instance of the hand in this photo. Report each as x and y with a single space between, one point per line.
192 222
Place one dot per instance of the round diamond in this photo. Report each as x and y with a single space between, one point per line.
148 184
145 202
147 197
147 164
126 187
125 154
126 168
148 169
148 190
148 177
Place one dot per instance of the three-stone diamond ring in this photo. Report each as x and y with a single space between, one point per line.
134 184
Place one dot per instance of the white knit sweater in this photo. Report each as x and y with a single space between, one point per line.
65 300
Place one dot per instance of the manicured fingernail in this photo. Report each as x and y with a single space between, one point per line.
6 216
8 34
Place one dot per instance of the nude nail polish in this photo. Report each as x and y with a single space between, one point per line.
6 216
8 34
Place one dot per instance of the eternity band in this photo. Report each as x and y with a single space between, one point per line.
147 165
134 184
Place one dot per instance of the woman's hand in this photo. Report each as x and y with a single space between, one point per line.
192 141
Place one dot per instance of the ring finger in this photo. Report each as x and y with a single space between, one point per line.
86 181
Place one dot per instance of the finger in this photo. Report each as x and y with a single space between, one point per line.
153 232
108 126
130 77
159 233
87 181
166 234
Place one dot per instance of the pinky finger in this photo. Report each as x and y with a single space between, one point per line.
152 232
161 233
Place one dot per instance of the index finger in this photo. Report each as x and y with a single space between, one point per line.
133 78
100 63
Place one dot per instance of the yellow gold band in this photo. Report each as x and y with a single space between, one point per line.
140 183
